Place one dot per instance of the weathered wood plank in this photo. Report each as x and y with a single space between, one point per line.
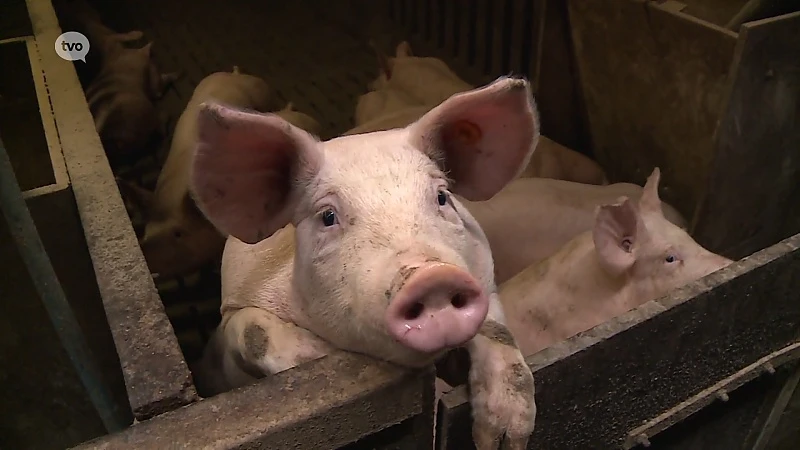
752 194
653 81
327 403
558 93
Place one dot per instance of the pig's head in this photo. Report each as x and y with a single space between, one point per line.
656 255
181 241
177 239
387 261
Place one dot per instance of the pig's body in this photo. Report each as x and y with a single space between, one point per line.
632 255
532 218
177 238
121 97
409 86
365 247
121 100
385 102
553 160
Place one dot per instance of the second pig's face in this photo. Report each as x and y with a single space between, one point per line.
655 255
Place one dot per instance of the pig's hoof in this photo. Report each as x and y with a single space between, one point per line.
504 410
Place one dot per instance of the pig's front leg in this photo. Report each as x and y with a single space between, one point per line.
501 386
258 343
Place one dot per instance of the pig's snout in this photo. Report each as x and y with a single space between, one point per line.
439 306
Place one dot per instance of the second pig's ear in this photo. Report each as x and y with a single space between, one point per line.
244 168
147 49
404 50
482 138
650 200
384 62
618 230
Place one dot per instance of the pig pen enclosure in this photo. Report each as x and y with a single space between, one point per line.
707 91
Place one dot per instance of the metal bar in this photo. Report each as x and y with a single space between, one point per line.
776 413
31 249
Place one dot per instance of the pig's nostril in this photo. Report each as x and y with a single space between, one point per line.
414 311
458 301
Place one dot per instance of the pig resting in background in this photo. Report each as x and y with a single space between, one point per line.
177 237
408 86
380 257
633 255
555 161
532 218
121 97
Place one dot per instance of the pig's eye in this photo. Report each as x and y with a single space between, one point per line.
328 218
178 234
442 198
670 259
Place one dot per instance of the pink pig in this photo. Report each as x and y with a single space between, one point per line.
633 255
380 257
532 218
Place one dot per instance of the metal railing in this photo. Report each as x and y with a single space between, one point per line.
31 249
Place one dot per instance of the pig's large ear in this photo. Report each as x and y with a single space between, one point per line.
147 50
245 167
650 201
483 138
617 231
